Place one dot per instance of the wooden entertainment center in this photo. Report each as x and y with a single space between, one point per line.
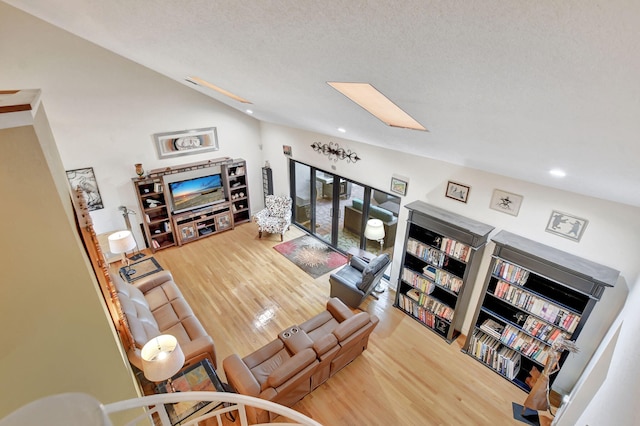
164 227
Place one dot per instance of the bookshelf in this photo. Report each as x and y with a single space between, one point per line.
156 217
441 255
533 295
238 190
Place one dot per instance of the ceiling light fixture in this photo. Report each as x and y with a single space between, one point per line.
249 111
369 98
200 82
557 173
342 130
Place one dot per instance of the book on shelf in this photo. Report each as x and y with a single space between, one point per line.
414 294
492 328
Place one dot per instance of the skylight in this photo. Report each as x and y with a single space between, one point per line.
200 82
369 98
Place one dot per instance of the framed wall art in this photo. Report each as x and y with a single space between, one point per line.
186 142
457 191
398 185
566 225
85 179
506 202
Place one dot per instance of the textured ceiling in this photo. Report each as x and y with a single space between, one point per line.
512 87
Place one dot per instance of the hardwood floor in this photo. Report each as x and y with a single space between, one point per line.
245 293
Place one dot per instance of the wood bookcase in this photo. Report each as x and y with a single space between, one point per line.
164 229
156 217
440 262
238 189
532 295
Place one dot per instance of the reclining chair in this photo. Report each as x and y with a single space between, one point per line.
356 280
275 218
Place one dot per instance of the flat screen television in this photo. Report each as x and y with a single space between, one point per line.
194 193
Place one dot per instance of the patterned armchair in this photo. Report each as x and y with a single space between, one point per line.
275 218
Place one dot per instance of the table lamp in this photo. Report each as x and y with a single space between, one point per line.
375 231
122 242
162 358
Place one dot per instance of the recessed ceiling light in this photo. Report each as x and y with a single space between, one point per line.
342 130
557 173
369 98
249 111
200 82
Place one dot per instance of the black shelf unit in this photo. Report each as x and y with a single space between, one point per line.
532 295
267 182
441 256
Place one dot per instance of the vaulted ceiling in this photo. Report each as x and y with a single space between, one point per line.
511 87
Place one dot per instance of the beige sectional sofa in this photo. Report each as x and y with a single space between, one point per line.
301 358
154 305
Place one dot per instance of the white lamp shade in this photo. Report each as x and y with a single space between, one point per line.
121 242
374 230
162 357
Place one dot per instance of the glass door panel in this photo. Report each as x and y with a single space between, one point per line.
385 207
302 196
350 216
324 206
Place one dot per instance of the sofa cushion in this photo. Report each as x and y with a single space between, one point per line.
369 272
350 326
278 206
291 367
141 320
377 264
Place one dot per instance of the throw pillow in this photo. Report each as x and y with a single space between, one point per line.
376 264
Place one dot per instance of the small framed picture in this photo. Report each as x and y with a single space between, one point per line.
506 202
458 191
85 179
566 225
286 150
399 186
186 142
157 187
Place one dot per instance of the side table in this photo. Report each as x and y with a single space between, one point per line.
362 254
200 376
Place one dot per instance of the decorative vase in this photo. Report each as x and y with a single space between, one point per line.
139 170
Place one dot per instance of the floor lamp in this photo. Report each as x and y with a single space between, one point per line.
125 213
375 231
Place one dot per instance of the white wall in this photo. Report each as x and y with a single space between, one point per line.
608 238
104 109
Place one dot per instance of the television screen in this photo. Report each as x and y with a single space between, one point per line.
198 192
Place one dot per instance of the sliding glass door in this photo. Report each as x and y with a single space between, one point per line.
337 210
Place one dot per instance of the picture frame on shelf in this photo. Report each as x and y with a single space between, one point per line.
398 185
566 225
186 142
157 187
457 191
506 202
85 179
